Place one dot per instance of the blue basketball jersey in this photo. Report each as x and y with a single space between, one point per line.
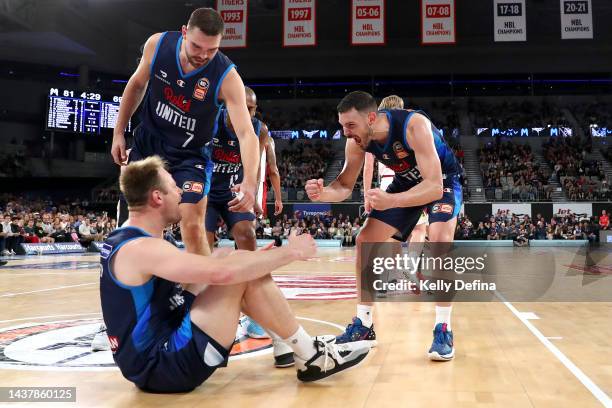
138 318
399 157
183 108
227 170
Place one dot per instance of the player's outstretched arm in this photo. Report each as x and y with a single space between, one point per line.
342 187
233 94
132 96
274 173
153 256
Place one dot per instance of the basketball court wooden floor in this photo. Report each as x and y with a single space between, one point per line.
508 354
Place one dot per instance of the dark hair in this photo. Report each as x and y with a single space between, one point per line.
207 20
361 101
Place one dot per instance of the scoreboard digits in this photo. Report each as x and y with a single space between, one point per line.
84 112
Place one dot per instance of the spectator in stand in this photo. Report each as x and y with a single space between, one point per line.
86 233
604 220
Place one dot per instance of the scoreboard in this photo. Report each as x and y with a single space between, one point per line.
81 112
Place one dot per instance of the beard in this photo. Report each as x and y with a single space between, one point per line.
195 62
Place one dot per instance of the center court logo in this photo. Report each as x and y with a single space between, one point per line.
65 345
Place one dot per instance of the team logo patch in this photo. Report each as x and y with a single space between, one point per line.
442 208
193 187
385 156
180 83
447 190
201 89
163 74
399 150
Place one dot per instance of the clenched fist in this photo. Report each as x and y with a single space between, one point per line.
314 189
379 200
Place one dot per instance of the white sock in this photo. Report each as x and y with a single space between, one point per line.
301 343
443 315
365 314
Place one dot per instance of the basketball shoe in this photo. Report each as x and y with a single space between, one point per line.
442 348
329 359
356 331
100 340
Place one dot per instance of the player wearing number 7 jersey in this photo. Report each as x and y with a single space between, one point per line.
185 82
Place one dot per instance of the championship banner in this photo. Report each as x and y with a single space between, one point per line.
234 15
509 20
299 29
576 19
437 21
368 22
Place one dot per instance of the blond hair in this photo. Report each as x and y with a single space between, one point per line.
139 178
391 102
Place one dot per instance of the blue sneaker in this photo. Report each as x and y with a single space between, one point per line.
442 348
253 329
356 331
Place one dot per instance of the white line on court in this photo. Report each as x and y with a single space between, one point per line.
578 373
49 317
49 273
46 290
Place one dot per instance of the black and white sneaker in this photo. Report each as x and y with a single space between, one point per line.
100 340
283 354
330 359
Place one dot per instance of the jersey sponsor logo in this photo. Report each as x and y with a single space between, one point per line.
399 150
230 157
201 89
177 100
166 112
386 156
180 83
193 187
162 77
447 190
442 208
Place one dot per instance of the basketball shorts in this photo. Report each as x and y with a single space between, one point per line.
405 218
219 208
183 361
190 168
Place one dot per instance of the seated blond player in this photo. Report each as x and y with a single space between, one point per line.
170 337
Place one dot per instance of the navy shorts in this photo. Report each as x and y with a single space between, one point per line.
219 208
185 360
191 168
404 219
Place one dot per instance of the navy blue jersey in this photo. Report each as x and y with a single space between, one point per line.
227 170
139 319
183 108
399 157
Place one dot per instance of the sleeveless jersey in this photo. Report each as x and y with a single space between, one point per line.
136 317
228 170
400 158
183 108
